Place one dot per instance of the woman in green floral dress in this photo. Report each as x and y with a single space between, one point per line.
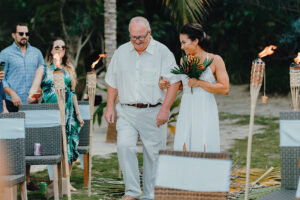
44 79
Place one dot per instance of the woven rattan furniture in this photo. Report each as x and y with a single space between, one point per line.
289 149
289 157
84 139
174 180
12 137
42 125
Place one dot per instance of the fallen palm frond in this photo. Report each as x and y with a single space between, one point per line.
238 179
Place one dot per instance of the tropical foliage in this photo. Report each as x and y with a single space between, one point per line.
192 66
188 11
239 30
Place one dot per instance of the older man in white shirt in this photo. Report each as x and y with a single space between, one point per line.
133 75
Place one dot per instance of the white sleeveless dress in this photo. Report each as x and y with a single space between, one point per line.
198 120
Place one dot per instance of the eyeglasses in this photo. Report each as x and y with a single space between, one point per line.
23 33
60 47
140 38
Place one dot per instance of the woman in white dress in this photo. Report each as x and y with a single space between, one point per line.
197 127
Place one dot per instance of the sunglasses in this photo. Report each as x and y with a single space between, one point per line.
60 47
23 33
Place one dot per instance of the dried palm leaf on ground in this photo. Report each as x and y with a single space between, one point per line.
238 179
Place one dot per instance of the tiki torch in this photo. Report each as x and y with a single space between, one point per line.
91 85
295 81
59 85
257 73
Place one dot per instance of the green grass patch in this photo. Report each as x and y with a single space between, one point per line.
265 145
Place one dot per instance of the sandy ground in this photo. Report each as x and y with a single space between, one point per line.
237 102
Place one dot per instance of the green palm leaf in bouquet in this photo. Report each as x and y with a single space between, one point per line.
192 67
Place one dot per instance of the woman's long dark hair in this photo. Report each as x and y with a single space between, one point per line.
49 56
65 60
195 31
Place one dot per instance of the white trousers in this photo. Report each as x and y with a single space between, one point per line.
134 123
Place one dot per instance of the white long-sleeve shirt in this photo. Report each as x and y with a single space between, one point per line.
136 76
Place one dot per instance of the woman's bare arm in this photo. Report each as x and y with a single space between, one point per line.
36 85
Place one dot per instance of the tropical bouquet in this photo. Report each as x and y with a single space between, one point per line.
192 67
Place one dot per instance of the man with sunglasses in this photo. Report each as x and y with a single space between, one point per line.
21 61
133 75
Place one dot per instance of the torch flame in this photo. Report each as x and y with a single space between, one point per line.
297 59
267 51
96 62
57 59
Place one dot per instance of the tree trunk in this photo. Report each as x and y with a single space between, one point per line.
110 36
76 42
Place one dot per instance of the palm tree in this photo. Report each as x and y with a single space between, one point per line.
110 28
110 36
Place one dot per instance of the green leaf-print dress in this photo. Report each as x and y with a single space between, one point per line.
72 124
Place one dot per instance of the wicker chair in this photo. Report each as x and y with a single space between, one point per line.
289 149
192 176
43 125
12 137
84 139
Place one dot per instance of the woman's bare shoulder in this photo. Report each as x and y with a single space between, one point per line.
216 57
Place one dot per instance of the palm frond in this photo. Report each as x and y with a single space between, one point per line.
188 11
98 113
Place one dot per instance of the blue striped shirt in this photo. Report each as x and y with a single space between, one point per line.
2 97
20 70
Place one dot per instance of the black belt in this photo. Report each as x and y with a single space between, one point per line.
141 105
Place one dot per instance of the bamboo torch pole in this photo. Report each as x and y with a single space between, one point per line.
91 85
257 72
59 85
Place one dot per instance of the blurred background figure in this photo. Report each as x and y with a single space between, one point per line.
44 79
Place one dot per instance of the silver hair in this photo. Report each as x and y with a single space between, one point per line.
140 19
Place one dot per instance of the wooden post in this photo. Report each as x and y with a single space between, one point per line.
23 191
85 170
59 179
55 182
